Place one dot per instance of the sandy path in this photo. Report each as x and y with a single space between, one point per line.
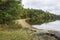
23 23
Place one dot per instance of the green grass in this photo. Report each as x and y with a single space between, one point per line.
21 34
14 32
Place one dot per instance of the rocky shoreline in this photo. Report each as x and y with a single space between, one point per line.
46 35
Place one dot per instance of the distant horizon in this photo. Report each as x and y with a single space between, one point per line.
52 6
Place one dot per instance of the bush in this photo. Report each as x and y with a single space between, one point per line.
9 11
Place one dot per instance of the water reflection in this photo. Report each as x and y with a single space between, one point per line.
49 26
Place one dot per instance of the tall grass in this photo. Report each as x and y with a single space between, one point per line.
15 33
21 34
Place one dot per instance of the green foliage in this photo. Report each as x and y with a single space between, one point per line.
38 16
10 27
9 10
12 9
21 34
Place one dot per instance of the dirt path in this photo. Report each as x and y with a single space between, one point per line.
23 23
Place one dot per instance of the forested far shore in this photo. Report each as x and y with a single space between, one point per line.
11 10
38 16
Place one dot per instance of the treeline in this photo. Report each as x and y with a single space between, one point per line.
58 17
38 16
12 9
9 10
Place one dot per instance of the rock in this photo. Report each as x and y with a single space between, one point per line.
47 35
41 32
44 37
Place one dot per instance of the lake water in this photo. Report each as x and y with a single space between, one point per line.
49 26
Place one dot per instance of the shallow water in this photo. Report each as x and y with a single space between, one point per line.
49 26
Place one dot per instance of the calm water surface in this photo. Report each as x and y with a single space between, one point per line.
49 26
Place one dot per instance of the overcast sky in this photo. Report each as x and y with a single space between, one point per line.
52 6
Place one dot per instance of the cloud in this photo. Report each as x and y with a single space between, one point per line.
49 5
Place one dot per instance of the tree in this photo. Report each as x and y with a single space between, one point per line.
39 16
9 10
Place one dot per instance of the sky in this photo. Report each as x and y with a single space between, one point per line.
52 6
